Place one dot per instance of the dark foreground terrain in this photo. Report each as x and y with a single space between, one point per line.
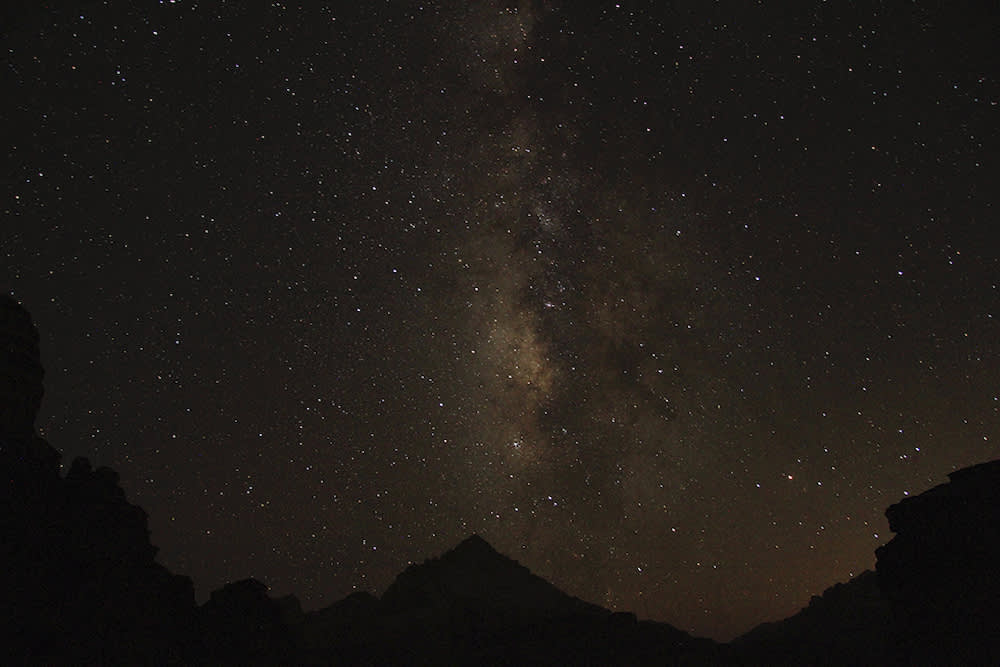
81 585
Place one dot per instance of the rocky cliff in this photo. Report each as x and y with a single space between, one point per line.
941 572
77 568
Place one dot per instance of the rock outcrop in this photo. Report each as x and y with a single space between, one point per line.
941 572
77 569
21 371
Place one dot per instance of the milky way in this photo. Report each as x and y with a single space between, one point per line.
666 301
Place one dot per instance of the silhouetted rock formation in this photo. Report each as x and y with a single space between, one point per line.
847 625
31 463
21 372
941 572
243 626
473 605
935 599
79 582
80 585
475 576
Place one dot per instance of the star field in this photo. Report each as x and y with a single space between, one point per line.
668 301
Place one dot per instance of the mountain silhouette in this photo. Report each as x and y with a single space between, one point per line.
474 605
934 598
847 625
80 585
474 575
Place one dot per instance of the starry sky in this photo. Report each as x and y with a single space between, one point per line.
666 300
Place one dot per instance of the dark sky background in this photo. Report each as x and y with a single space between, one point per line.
667 300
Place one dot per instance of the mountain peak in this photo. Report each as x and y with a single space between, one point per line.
474 541
474 574
476 548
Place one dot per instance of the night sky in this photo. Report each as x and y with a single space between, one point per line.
666 300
